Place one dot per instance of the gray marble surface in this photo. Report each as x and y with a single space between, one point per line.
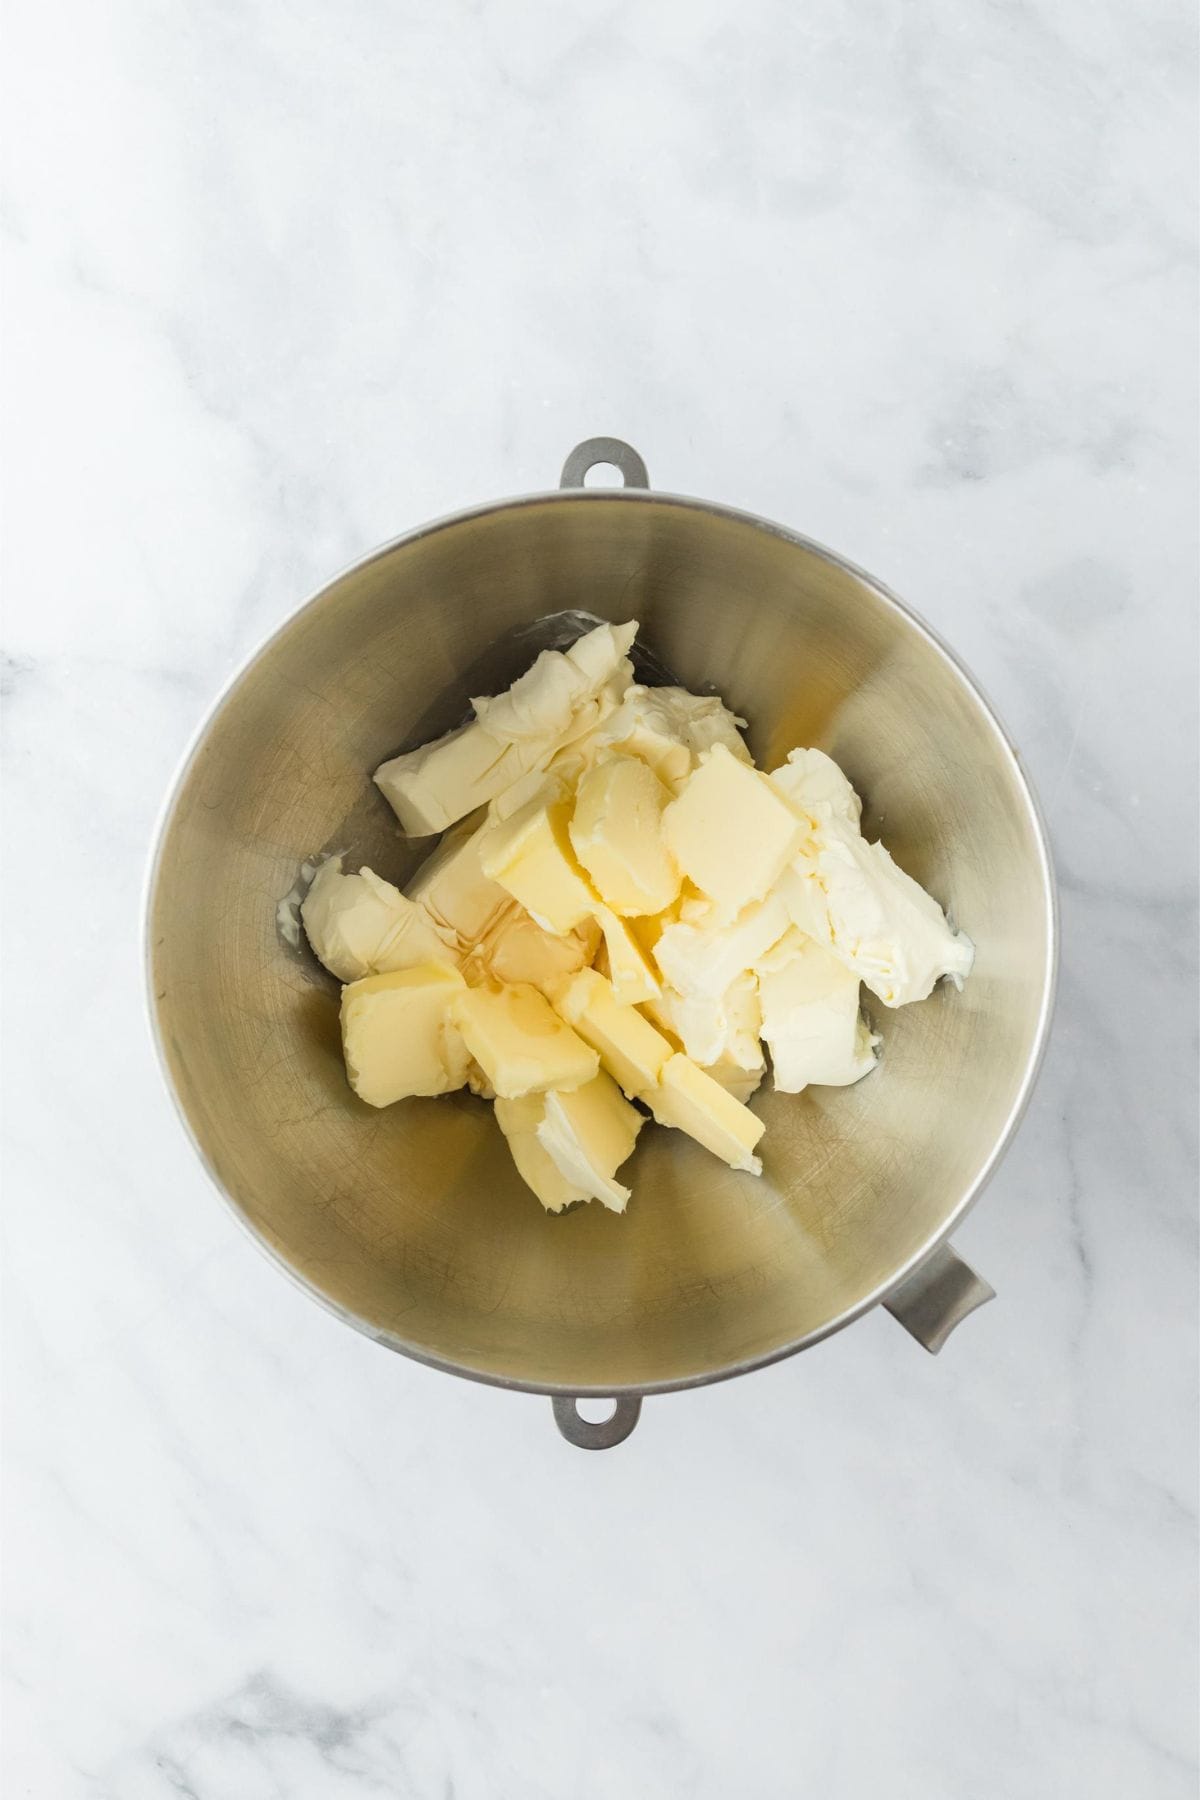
283 280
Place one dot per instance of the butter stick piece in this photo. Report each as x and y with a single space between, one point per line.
520 1042
632 1051
399 1037
731 832
617 834
625 962
692 1101
530 856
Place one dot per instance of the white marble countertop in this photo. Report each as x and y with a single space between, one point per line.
285 280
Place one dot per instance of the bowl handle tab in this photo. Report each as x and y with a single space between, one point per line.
937 1297
590 1435
621 455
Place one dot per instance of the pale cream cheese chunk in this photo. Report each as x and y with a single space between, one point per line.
588 1133
632 1051
882 924
692 1101
617 834
441 782
399 1036
810 1017
850 896
711 1027
545 701
731 832
700 953
361 925
564 695
813 782
520 1042
668 729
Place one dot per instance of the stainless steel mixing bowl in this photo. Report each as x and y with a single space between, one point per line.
411 1223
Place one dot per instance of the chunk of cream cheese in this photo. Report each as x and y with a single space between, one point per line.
882 925
668 729
813 782
712 1027
701 953
361 925
810 1017
563 695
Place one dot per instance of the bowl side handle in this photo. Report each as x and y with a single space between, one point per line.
587 1434
937 1297
616 451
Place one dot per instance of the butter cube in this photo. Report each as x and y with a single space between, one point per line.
692 1101
520 1042
362 925
811 1018
632 1051
519 1121
731 832
617 835
588 1133
625 962
399 1037
530 856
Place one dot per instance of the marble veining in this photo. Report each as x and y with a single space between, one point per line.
286 280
